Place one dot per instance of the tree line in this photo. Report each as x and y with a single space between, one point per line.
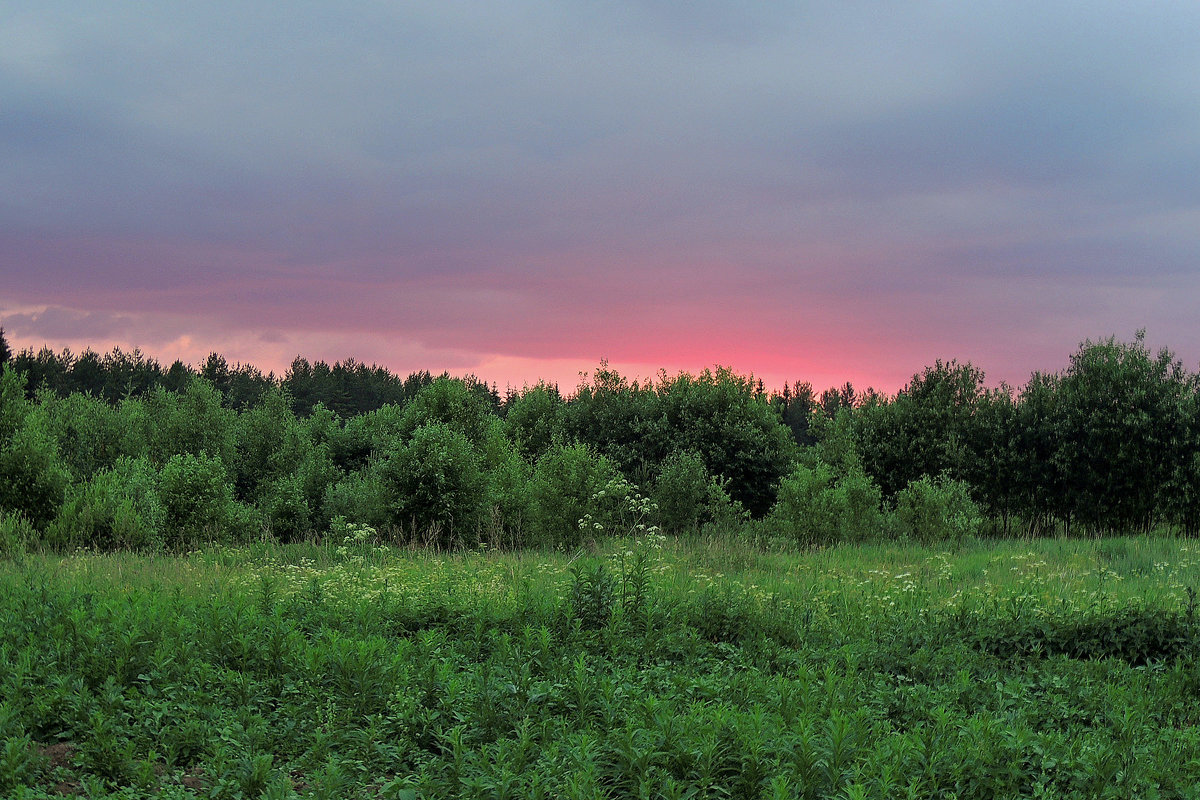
114 451
347 387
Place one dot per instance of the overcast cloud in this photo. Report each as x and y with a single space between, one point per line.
821 191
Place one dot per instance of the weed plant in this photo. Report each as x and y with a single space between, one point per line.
643 668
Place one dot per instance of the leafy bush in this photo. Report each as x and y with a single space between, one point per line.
117 508
816 507
681 492
535 418
197 501
16 534
687 496
192 421
366 435
286 509
452 403
565 481
510 510
269 442
316 472
13 405
359 497
434 486
724 418
33 479
593 593
90 433
936 510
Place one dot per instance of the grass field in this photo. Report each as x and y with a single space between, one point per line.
1043 668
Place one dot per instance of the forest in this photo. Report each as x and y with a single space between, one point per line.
113 451
343 585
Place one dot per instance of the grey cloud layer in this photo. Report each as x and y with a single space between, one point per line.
825 154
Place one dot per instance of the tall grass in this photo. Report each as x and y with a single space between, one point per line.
687 668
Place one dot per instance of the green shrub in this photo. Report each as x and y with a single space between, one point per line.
593 595
816 507
117 508
681 492
861 499
91 434
365 436
565 481
316 473
510 509
688 497
13 405
449 402
16 534
193 421
33 479
21 766
269 443
535 418
434 486
936 510
286 509
197 500
358 497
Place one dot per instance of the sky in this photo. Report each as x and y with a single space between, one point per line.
810 191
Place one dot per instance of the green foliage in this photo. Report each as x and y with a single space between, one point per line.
315 473
614 417
1039 493
286 509
118 508
593 595
682 493
21 765
511 513
566 480
90 433
1180 498
191 422
936 510
33 479
1118 400
1112 443
452 403
268 444
367 435
13 404
871 671
434 486
197 500
16 534
723 418
360 497
992 463
923 431
816 506
687 497
535 418
880 678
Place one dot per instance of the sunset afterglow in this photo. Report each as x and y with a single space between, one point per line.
819 192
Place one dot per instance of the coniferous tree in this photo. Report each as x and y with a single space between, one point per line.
177 377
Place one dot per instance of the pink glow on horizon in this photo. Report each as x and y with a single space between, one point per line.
275 356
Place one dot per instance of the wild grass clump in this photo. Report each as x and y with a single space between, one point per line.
648 667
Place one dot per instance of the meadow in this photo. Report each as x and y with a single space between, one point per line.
637 667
